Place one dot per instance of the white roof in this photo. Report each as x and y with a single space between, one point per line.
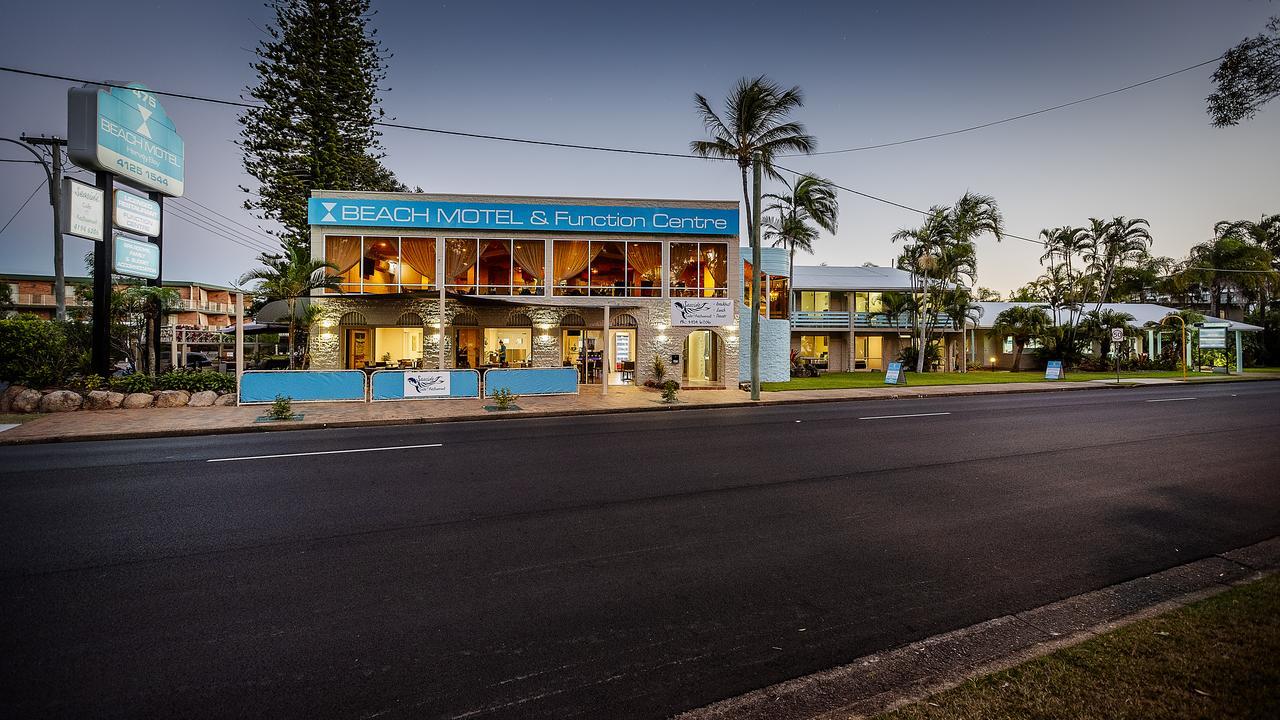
822 277
1142 313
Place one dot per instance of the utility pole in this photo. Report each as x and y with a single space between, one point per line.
55 145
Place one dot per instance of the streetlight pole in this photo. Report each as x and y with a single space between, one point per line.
54 177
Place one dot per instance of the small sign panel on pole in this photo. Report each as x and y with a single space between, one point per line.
1054 370
894 375
81 209
136 214
136 258
1117 335
1213 337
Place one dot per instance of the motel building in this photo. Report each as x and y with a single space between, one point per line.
600 285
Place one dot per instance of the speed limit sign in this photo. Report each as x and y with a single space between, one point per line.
1117 334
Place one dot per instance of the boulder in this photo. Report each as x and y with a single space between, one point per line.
61 401
103 400
226 400
172 398
6 397
133 401
27 401
204 398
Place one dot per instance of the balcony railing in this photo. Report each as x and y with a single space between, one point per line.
839 320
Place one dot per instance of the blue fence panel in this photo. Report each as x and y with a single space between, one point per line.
262 386
532 381
389 385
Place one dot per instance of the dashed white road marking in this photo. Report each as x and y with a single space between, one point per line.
890 417
1171 399
325 452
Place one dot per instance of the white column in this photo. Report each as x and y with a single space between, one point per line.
606 355
173 345
440 283
239 339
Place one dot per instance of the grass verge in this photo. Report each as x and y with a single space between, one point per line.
1214 659
19 418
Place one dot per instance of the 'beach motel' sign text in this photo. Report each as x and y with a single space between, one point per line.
125 131
361 212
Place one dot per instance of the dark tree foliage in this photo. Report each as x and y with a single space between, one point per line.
318 81
1247 78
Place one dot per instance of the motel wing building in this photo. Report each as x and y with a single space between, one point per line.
479 281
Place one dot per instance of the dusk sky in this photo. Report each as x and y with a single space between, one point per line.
625 74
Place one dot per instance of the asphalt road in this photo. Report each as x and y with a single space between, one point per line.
603 566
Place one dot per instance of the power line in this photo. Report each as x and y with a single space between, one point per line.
221 225
1012 118
23 205
225 217
198 224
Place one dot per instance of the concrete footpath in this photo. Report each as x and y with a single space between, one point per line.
186 421
885 681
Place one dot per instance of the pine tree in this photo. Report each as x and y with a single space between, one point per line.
318 81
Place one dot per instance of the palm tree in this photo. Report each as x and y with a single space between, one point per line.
1097 324
1115 242
810 198
1024 323
1230 262
152 302
960 308
754 129
791 233
288 277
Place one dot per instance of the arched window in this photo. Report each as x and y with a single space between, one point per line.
623 321
519 319
572 320
353 318
465 319
409 319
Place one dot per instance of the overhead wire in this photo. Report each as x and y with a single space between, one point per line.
23 206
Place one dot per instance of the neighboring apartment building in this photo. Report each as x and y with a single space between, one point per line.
203 306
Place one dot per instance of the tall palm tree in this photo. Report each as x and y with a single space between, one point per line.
1230 262
1115 242
810 198
961 308
790 232
1023 323
288 277
754 129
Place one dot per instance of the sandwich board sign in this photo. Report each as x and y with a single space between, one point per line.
125 131
1054 370
81 209
894 376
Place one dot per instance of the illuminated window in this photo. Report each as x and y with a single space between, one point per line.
699 269
460 258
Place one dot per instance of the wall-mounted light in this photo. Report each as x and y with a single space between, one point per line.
544 326
544 338
660 327
733 338
435 337
326 323
661 338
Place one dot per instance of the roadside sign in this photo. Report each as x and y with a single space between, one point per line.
125 131
136 214
1054 370
894 375
1117 335
1213 337
81 210
136 258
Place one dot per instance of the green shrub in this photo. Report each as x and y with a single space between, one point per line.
135 383
659 369
193 380
86 383
282 408
504 399
669 390
35 352
909 355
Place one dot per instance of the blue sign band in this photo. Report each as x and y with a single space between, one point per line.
262 386
532 381
389 385
360 212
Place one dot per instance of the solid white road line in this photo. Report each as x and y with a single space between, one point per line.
890 417
1172 399
324 452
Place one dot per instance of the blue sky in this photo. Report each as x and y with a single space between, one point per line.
625 75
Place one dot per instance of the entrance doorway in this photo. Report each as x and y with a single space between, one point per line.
466 344
584 350
359 348
622 344
702 359
870 353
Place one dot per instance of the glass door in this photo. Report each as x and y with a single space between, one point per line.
622 344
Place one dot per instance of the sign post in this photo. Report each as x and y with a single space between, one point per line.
125 133
1117 337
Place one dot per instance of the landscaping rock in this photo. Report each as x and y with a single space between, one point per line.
6 397
61 401
204 398
133 401
226 400
103 400
172 398
27 401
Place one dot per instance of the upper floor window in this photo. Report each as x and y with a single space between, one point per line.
699 269
378 264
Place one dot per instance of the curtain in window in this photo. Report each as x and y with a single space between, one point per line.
683 256
571 257
646 260
459 257
420 254
528 255
342 251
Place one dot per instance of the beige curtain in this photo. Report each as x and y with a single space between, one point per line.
459 257
572 257
646 260
528 255
683 255
342 251
420 254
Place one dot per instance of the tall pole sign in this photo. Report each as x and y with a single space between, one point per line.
123 134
